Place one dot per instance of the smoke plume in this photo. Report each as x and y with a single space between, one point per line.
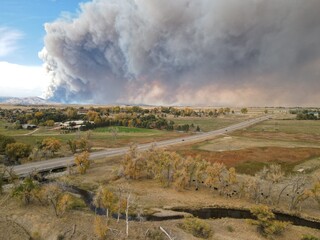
219 52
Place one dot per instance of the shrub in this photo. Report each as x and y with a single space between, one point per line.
309 237
4 141
24 190
76 203
266 223
155 234
230 228
100 227
197 227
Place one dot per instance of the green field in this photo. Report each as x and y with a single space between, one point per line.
6 129
121 130
99 137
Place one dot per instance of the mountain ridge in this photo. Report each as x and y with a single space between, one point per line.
25 101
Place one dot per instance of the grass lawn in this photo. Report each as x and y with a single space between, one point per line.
10 132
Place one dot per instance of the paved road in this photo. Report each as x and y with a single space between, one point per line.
56 163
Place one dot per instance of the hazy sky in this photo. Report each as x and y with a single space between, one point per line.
21 38
204 52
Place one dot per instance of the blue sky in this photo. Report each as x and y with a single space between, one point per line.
21 38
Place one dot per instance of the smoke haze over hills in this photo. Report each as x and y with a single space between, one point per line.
225 52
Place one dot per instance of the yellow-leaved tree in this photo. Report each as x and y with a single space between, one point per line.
82 162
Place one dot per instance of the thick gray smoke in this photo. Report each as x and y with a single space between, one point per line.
221 52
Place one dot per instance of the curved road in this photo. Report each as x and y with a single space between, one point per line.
56 163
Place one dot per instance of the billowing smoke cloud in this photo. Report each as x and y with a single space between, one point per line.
219 52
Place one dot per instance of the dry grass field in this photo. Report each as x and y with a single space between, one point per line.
286 142
291 143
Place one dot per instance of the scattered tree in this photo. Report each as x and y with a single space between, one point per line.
244 110
105 199
82 162
72 145
55 196
51 145
16 151
84 144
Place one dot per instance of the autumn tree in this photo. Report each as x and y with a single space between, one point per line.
232 176
82 162
16 151
134 164
187 171
92 115
200 174
38 115
181 178
56 197
314 192
24 190
72 144
253 189
71 113
214 174
165 167
244 110
265 221
4 141
271 175
49 123
100 227
84 144
105 199
51 145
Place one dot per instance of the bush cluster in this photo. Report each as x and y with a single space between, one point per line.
197 227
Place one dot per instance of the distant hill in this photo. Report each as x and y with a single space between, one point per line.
25 101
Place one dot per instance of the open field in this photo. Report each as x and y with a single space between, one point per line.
311 127
289 143
274 141
207 124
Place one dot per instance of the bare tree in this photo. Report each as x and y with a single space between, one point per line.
127 214
295 190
